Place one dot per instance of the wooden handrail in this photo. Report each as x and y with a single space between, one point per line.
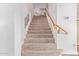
55 25
50 17
61 29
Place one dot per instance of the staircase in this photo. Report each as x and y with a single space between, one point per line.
39 39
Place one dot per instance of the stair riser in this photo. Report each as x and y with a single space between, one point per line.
38 31
39 47
41 53
39 24
39 36
39 41
47 30
43 22
38 20
39 28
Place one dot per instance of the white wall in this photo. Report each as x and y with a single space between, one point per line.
77 10
78 23
6 29
12 19
12 24
65 16
21 11
66 42
52 8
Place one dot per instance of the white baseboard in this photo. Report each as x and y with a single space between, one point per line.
70 52
4 53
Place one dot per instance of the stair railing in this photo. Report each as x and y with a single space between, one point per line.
56 26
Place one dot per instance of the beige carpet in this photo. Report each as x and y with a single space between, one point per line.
39 40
